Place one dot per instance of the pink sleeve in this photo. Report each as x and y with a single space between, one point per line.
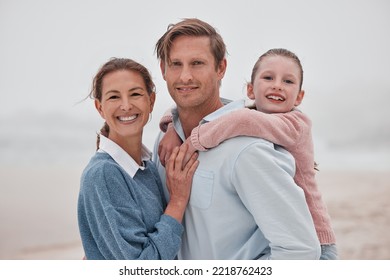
165 120
284 129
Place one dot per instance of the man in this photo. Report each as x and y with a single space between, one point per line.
244 203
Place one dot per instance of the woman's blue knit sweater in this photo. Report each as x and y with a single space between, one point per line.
121 217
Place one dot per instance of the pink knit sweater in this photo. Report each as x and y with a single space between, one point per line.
291 130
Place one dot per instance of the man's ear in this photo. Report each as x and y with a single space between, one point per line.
222 68
299 99
162 68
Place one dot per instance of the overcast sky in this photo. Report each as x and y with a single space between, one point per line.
50 50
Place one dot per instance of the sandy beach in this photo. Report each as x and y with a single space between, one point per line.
359 205
38 212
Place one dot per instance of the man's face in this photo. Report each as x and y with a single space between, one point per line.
192 78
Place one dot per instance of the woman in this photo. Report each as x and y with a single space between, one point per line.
122 212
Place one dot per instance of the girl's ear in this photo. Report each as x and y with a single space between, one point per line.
299 99
249 91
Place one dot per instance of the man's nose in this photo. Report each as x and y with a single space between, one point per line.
186 74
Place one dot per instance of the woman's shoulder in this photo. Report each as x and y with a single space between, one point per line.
100 166
100 161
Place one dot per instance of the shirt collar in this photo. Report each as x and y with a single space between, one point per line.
228 107
121 157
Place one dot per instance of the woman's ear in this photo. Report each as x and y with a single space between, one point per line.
152 100
98 106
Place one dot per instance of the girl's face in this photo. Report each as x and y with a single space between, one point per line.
125 104
276 85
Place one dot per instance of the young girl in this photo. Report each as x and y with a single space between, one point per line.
122 212
276 88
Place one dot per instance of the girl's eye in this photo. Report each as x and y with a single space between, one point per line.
269 78
288 81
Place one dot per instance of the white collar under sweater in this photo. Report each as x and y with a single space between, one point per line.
121 157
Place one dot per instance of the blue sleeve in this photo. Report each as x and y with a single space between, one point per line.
116 224
263 176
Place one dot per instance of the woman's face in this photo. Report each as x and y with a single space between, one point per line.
125 104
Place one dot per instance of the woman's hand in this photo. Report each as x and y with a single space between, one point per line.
179 180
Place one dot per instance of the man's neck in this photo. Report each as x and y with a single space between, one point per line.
191 117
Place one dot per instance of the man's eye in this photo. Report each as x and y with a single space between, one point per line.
197 63
175 64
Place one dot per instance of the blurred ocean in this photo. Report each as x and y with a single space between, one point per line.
59 139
